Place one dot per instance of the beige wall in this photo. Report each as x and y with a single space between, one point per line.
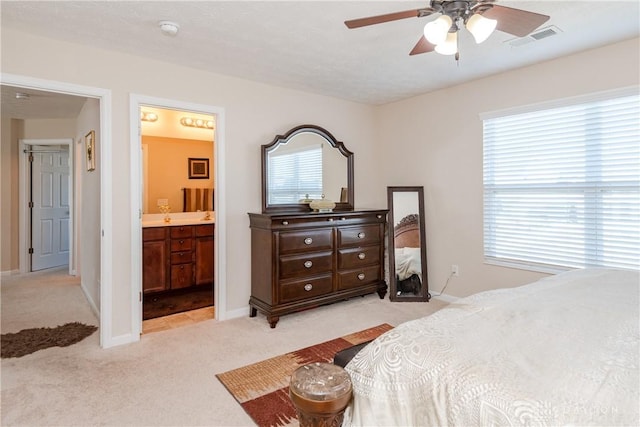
12 131
435 140
87 203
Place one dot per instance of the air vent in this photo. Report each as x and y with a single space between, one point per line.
540 34
543 34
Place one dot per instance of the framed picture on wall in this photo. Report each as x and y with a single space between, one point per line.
90 148
198 168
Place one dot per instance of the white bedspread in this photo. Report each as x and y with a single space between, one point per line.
408 263
560 351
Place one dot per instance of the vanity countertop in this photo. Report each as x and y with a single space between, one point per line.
177 219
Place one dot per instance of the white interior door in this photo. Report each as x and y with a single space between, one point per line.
50 209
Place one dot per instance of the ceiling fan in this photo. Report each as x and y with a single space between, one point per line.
480 17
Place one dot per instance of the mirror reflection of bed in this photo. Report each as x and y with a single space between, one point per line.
407 245
408 255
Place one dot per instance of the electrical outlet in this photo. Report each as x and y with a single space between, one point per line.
454 270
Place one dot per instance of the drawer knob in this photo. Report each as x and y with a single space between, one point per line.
308 264
361 276
181 242
308 287
285 222
361 255
378 216
361 235
308 241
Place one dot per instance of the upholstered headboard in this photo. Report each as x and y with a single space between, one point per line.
407 232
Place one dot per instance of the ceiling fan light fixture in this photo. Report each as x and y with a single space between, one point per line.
436 31
480 27
449 46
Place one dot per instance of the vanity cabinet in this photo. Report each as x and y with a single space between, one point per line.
303 260
155 259
203 242
177 257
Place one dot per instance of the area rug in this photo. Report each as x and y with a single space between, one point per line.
262 389
163 305
31 340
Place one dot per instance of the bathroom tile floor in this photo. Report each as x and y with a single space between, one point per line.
177 320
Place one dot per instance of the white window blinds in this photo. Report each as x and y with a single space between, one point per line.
295 175
562 186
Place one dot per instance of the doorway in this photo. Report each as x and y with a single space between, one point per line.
137 104
47 203
104 283
177 277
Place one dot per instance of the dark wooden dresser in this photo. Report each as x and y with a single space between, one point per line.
303 260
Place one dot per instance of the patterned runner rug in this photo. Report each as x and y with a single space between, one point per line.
262 389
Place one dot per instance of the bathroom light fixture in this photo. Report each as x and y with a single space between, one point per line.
146 116
196 123
169 28
22 95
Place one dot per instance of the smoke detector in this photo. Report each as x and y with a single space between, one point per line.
169 28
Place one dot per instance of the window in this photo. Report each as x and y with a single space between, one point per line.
562 185
295 175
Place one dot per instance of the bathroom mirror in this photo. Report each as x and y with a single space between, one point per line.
407 245
303 165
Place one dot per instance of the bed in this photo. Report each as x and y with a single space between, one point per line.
561 351
407 255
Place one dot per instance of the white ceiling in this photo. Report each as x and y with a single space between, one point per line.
305 45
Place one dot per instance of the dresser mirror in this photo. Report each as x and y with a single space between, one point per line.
306 164
407 245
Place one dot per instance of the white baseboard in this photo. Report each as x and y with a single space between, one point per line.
446 298
9 273
234 314
119 340
91 302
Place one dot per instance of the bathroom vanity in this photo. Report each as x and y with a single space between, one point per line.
302 259
177 256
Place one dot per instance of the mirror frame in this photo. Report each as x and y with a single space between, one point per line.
423 293
304 207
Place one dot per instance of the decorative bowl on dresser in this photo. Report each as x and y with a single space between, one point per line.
302 259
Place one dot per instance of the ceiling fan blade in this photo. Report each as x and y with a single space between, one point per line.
515 21
372 20
423 46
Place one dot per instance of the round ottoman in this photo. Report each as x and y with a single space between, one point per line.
320 392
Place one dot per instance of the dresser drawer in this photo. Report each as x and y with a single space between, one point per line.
363 235
181 231
357 257
181 276
359 277
178 245
305 264
302 241
181 257
303 289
